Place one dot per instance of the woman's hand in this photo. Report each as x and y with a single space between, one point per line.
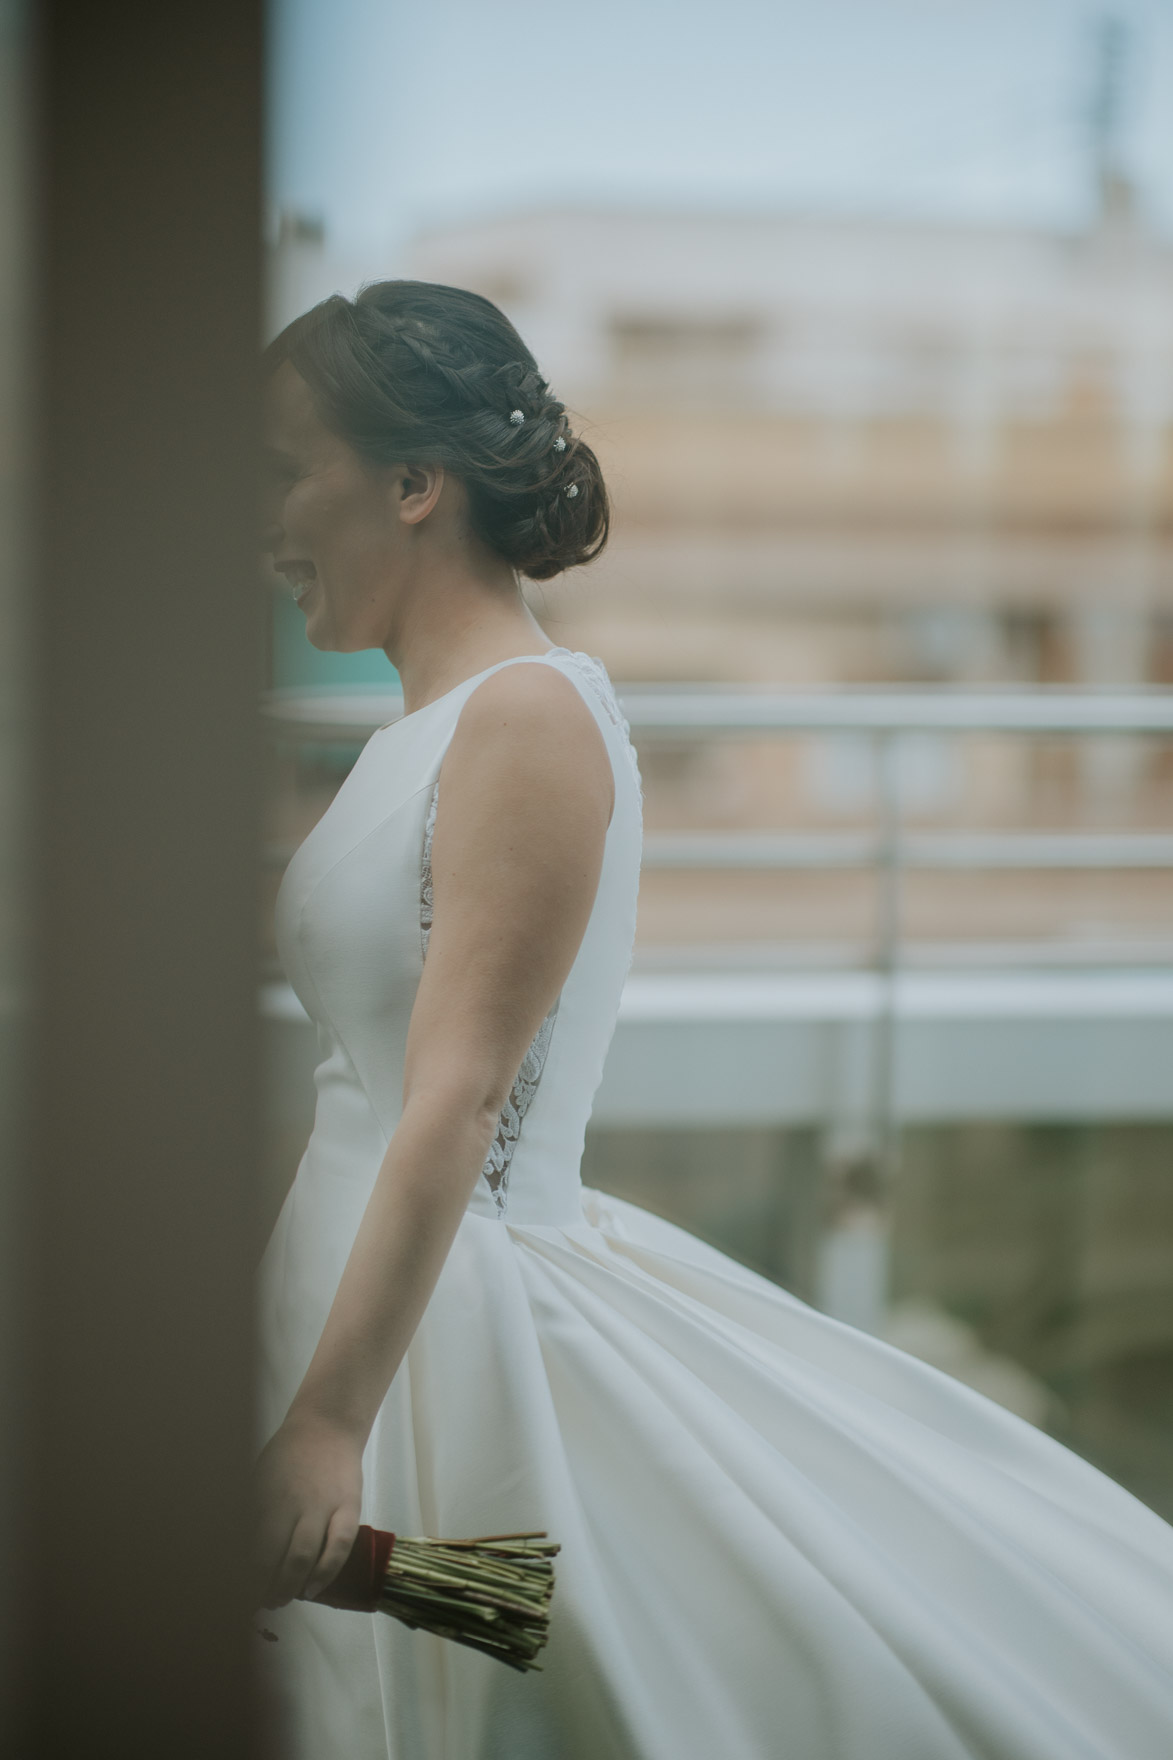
309 1492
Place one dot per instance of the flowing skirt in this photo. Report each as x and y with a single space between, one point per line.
782 1539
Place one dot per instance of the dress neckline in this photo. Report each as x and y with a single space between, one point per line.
471 679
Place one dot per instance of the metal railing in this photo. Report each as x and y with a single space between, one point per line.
676 713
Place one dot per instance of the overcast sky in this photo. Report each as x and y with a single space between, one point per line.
385 116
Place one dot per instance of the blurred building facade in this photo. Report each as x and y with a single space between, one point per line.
848 450
860 452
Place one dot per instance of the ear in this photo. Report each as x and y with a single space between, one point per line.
417 487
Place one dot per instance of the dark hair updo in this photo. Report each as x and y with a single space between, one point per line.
417 373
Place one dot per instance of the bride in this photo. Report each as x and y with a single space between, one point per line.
780 1537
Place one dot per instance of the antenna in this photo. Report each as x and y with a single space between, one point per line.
1114 192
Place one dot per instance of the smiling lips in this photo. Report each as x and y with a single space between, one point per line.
300 577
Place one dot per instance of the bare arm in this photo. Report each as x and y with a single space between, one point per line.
525 798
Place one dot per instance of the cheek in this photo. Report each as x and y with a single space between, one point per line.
318 526
343 528
305 509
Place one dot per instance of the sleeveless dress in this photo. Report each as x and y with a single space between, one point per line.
781 1538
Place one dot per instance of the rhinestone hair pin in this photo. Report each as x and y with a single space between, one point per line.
571 491
517 417
559 444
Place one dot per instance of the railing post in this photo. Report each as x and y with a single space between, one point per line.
852 1265
890 889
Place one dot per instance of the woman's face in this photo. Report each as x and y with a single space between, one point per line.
334 524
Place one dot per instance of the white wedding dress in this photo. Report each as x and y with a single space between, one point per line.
780 1537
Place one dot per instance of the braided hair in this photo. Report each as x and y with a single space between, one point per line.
417 373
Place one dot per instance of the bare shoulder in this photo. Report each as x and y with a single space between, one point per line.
531 721
531 693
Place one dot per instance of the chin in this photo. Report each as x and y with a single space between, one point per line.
350 643
320 634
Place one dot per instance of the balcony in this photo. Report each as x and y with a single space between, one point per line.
1029 1031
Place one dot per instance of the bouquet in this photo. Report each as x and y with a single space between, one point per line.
492 1593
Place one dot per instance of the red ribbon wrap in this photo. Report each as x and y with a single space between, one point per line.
359 1583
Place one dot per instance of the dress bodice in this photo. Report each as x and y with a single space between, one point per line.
353 918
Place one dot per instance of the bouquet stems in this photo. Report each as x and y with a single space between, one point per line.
491 1594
